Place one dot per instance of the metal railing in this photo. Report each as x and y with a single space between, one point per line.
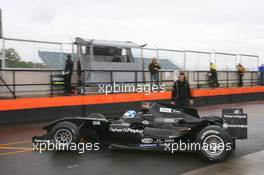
184 59
24 82
227 79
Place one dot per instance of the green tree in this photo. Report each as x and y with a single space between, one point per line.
13 60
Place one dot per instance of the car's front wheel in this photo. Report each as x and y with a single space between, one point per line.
64 134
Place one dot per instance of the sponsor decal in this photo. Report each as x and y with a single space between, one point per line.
225 125
169 110
145 122
148 145
169 120
172 137
237 111
158 141
147 140
41 140
234 126
169 140
166 110
235 116
96 123
130 130
178 111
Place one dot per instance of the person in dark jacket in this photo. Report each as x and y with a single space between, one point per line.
154 72
68 74
181 92
261 74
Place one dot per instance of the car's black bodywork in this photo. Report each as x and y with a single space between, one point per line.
154 127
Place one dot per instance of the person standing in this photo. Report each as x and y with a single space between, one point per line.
154 72
213 76
241 72
68 74
181 92
261 74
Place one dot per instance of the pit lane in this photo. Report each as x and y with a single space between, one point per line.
17 157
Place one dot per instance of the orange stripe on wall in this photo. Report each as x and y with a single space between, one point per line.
226 91
29 103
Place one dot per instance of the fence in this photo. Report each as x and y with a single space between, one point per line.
24 82
29 50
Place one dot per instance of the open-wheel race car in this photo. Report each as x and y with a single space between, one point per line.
155 126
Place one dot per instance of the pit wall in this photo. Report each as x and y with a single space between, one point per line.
49 108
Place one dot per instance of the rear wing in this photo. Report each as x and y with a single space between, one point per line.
235 122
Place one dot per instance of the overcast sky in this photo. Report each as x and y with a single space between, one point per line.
220 25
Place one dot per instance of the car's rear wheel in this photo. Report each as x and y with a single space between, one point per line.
64 134
215 143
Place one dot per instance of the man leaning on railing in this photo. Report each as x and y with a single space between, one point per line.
213 80
154 72
241 71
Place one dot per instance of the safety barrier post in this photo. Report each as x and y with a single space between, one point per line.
251 78
14 83
83 83
198 79
136 79
112 80
3 54
160 79
227 79
51 86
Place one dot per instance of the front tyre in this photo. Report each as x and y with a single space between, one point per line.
215 143
64 134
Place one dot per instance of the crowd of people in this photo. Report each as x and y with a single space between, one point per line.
154 68
181 91
213 79
241 70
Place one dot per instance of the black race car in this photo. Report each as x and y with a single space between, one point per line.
155 126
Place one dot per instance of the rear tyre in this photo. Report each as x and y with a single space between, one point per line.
215 143
64 134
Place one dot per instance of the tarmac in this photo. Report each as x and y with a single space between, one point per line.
17 157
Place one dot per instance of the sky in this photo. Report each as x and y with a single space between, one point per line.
234 26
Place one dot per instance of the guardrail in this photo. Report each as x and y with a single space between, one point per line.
26 82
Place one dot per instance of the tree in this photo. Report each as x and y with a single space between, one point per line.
13 60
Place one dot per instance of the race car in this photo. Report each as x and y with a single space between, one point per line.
154 126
